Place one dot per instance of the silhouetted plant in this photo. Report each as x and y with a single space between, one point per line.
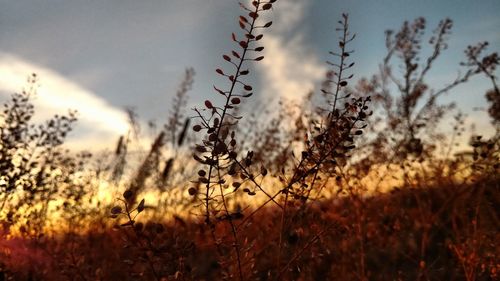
280 196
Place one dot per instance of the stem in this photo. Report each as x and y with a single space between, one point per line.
224 112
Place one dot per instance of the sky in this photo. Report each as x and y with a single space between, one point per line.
100 57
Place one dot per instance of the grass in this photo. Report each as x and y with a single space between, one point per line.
298 202
430 233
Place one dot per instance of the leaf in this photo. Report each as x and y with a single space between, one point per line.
253 15
244 44
218 70
140 207
247 88
267 6
244 72
243 19
226 57
258 37
235 54
197 158
258 49
268 24
200 148
259 58
219 91
212 137
116 210
235 100
208 104
263 171
343 83
196 128
127 194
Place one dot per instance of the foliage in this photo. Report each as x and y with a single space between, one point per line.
235 202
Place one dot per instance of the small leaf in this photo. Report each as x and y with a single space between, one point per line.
235 100
200 148
343 83
140 207
116 210
258 49
259 58
267 6
212 137
244 72
253 15
196 128
247 88
218 70
263 171
235 54
258 37
127 194
243 44
226 57
219 91
268 24
208 104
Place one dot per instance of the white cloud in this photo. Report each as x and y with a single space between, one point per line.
290 70
57 94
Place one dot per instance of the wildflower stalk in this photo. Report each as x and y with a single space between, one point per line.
219 123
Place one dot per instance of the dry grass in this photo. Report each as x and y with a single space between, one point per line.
233 202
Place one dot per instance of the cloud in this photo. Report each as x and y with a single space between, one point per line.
290 70
57 94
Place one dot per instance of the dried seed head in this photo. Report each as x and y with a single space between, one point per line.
192 191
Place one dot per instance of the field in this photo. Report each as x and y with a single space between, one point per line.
357 181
